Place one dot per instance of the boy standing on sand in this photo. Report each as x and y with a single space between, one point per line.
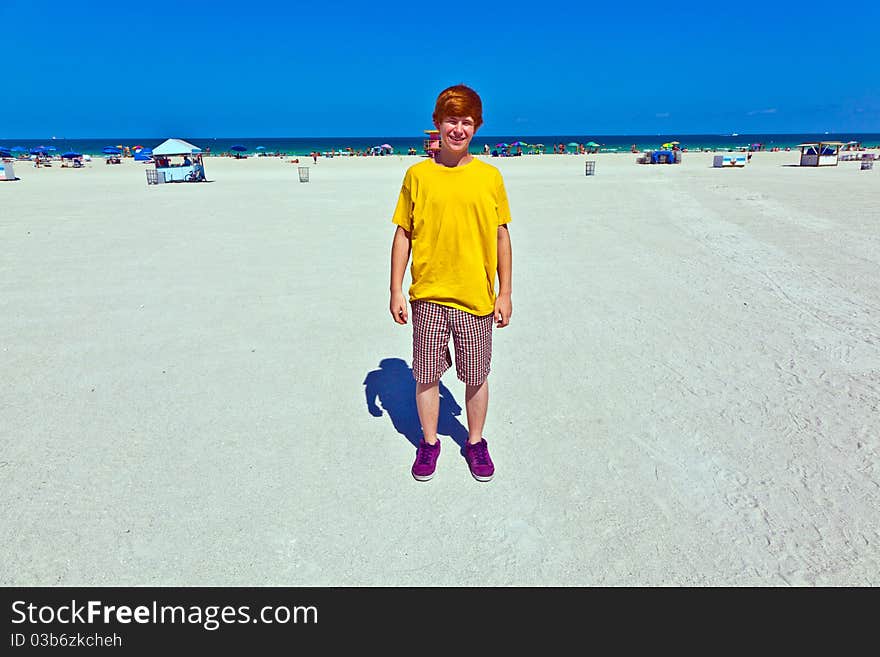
452 215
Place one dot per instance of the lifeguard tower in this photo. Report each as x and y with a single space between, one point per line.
432 142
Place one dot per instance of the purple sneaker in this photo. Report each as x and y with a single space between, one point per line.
426 460
479 461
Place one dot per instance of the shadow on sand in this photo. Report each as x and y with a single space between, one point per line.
394 387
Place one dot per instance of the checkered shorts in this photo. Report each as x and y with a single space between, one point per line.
472 336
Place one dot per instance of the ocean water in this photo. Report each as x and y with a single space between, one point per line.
305 145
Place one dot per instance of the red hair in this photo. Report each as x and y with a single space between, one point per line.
459 100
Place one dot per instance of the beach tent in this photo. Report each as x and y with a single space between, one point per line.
820 153
193 172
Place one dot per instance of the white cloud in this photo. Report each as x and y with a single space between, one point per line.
771 110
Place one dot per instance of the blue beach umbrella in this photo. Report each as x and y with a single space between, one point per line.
18 149
39 150
238 147
111 150
70 155
260 148
143 157
5 153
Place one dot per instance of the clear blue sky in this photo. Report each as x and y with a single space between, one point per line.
95 68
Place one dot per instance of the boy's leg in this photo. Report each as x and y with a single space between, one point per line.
428 404
473 356
477 403
431 358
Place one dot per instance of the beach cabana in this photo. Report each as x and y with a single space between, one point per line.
820 153
189 169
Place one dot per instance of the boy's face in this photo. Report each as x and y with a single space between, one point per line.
456 133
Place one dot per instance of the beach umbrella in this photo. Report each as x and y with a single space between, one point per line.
143 157
572 143
502 145
519 143
5 153
39 150
51 148
111 150
260 148
69 155
388 146
137 148
18 149
591 143
238 147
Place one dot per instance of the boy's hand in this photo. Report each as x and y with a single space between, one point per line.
503 310
398 307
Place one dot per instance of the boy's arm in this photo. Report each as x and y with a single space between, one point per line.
503 303
400 250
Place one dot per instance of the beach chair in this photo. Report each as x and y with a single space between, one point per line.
303 174
590 168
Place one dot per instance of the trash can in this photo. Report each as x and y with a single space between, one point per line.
590 169
303 174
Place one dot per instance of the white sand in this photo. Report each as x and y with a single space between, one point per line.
688 392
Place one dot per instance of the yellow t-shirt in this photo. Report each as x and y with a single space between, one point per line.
452 215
